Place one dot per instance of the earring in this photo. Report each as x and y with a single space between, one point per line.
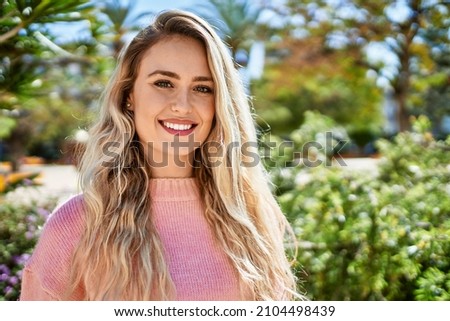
128 105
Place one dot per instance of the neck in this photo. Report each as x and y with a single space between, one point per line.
173 166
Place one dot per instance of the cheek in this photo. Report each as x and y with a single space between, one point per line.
211 116
210 111
144 116
149 106
145 122
149 99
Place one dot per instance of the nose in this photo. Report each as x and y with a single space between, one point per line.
182 104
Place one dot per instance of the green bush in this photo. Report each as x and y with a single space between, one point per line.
315 143
20 226
384 236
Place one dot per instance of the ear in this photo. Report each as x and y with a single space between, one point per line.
130 103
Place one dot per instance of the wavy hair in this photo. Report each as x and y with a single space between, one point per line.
111 261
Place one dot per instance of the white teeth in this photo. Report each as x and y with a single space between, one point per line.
178 126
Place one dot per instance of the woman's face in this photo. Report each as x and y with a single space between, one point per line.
173 99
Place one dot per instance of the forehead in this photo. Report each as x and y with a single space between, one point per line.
178 54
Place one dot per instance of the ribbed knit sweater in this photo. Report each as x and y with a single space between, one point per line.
198 266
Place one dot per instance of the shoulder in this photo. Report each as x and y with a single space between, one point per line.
51 258
64 226
68 216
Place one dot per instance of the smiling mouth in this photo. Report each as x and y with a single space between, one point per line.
178 128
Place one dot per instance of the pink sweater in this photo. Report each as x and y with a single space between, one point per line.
198 266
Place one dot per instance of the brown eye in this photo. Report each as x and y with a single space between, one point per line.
163 84
204 89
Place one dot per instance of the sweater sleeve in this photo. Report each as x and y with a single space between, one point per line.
46 275
32 288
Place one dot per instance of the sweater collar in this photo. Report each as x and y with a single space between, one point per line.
174 189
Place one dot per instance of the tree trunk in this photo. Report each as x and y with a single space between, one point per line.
17 142
402 112
401 89
408 31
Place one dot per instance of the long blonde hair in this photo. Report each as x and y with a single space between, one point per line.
112 259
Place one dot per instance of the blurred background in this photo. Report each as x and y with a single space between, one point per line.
356 93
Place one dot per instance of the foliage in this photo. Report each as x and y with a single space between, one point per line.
68 106
6 125
236 21
317 142
25 40
320 129
383 236
20 227
20 224
119 17
48 88
28 50
416 39
331 83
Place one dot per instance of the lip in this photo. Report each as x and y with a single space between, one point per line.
180 132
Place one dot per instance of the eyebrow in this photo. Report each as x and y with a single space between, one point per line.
176 76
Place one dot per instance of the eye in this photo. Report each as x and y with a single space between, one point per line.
163 84
204 89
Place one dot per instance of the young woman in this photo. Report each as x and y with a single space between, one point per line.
173 206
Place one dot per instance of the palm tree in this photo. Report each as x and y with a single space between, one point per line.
122 20
237 21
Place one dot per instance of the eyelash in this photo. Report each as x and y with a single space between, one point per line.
163 84
204 89
168 84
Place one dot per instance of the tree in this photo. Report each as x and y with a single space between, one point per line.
305 76
55 83
121 21
236 21
355 24
26 46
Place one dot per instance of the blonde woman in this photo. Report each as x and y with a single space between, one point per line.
175 205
